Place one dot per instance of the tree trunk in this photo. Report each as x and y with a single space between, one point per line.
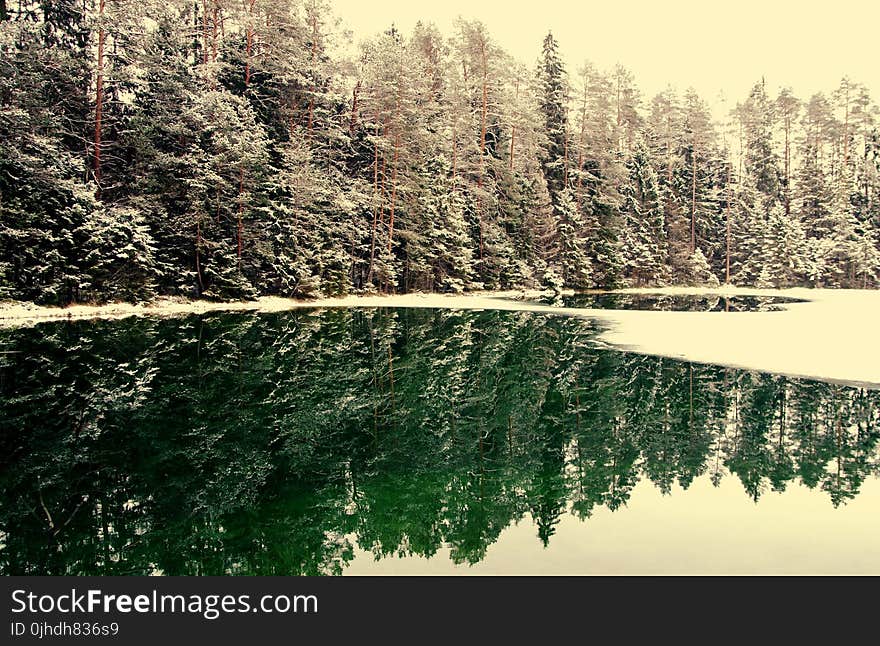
513 125
667 211
454 151
693 200
619 145
580 163
314 22
393 185
565 157
382 190
354 107
240 212
727 279
204 32
741 152
249 44
198 259
215 19
483 113
846 127
393 191
375 205
787 164
99 98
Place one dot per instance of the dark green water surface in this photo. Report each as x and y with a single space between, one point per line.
671 302
396 440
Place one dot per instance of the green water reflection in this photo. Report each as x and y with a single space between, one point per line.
277 443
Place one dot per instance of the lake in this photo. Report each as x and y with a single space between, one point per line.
347 441
670 302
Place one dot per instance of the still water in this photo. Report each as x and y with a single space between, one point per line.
417 441
671 302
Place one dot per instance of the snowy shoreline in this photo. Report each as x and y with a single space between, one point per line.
830 337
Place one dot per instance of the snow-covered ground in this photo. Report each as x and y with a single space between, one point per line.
833 336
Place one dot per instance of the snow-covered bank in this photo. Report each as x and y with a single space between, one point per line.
832 337
16 314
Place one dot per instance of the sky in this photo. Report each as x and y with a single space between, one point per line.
719 49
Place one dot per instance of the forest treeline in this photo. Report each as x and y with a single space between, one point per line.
227 149
274 443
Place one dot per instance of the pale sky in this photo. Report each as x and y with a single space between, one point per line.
710 46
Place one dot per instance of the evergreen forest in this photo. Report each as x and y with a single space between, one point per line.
225 149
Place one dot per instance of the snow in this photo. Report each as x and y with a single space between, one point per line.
832 337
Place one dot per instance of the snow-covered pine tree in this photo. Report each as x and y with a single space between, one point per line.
644 242
438 252
782 257
697 271
600 173
117 263
44 67
761 160
570 259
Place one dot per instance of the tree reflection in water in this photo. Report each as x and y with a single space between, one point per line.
260 444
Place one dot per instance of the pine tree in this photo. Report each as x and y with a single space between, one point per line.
600 174
761 163
170 185
41 165
644 239
118 256
571 258
782 257
438 251
748 230
697 271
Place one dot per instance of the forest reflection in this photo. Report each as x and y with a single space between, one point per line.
267 444
671 302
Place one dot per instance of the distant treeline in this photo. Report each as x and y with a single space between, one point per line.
227 149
